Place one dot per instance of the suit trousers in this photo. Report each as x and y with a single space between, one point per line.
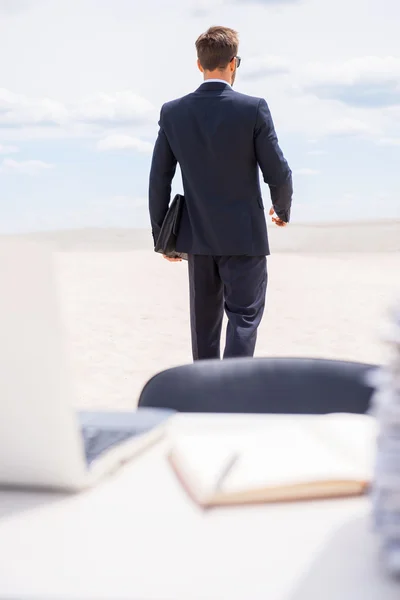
236 284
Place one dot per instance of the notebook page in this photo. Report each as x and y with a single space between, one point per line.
284 455
353 436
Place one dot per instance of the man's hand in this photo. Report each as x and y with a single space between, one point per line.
276 220
169 259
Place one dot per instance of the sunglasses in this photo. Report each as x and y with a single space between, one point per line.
238 60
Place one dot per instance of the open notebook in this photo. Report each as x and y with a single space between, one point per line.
292 458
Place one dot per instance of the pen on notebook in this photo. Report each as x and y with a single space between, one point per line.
227 468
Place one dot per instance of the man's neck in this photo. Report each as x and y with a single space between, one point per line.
217 80
218 75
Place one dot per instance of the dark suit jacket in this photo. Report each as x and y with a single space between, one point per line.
219 137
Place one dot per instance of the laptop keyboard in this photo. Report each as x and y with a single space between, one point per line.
101 431
96 441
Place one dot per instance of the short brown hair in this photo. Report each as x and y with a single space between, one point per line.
216 47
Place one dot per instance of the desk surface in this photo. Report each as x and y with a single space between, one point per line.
137 536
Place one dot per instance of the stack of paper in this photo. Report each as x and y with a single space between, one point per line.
387 471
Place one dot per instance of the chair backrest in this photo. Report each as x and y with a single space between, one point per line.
262 385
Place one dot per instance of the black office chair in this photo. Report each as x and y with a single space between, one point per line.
262 385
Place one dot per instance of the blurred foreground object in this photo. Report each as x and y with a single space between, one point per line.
387 474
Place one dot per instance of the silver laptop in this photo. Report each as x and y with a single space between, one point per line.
43 441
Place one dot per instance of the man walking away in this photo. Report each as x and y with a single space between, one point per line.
220 138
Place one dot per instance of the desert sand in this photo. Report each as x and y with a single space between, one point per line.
126 309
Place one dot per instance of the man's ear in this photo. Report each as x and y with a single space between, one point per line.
199 66
232 65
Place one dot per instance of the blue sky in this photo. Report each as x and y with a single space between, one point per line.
82 82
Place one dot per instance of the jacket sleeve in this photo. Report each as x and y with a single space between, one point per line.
163 167
275 169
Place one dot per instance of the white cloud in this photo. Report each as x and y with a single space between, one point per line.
264 66
18 110
124 142
201 8
370 69
316 152
25 167
120 108
389 141
306 172
264 2
8 149
350 127
368 81
14 6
